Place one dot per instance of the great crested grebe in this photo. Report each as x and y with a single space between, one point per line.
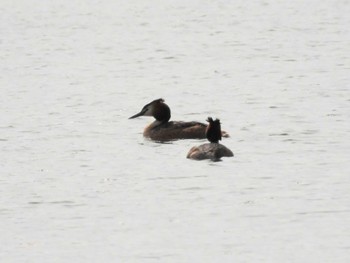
212 150
164 130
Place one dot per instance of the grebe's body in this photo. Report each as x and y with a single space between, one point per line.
164 130
174 130
212 150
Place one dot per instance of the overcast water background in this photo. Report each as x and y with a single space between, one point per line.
79 183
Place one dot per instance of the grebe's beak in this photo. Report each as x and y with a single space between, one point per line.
141 113
147 110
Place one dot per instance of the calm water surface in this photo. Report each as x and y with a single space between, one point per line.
78 181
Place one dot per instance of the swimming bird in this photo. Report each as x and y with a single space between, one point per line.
212 150
164 130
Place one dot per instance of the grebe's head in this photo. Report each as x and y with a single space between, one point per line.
213 131
157 108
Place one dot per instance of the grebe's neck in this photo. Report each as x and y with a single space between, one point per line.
155 124
213 131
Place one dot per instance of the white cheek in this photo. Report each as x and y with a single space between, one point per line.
149 112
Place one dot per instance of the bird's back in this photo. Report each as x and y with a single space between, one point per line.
213 151
175 130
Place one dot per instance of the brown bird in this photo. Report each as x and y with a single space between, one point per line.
164 130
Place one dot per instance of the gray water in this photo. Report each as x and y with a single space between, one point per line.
79 183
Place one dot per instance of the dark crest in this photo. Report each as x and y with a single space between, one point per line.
213 131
